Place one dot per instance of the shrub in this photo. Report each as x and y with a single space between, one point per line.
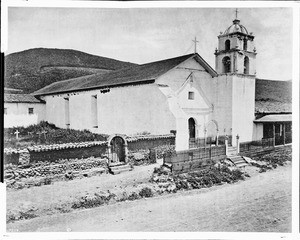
146 192
47 181
207 178
54 135
166 150
133 196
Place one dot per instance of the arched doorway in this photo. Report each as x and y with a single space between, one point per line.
117 146
192 128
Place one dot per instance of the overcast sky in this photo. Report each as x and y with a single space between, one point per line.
145 35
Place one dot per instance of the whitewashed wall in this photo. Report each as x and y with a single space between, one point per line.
17 114
124 110
243 104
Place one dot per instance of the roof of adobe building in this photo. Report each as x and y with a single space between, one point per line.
148 72
21 98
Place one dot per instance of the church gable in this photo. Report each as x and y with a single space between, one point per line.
194 67
191 98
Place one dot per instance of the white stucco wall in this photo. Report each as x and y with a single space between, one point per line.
135 109
55 110
17 114
243 104
124 110
258 131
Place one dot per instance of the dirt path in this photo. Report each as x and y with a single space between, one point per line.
48 196
260 204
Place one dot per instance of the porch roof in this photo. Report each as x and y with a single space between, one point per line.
275 118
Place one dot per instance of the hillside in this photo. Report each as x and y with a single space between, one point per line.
33 69
278 91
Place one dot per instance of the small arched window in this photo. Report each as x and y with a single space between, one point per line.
246 65
245 45
227 45
226 65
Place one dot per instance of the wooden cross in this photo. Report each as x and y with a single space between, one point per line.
236 13
17 134
195 41
44 132
39 133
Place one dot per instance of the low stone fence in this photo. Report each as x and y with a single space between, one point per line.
54 152
185 161
259 150
67 151
11 156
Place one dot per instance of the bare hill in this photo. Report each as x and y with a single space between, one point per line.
33 69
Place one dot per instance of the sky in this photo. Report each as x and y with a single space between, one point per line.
142 35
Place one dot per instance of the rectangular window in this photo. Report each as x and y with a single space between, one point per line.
191 95
5 111
94 111
30 110
67 112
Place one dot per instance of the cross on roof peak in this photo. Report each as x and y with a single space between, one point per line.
195 41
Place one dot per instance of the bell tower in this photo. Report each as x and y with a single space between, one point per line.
234 102
236 51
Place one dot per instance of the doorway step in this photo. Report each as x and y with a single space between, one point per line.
116 168
236 159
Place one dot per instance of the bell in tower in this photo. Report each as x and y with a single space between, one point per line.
236 52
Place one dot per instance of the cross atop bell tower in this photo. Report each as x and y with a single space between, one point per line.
236 13
236 52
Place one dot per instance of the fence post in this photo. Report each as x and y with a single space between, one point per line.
283 133
205 137
273 135
109 153
126 152
226 145
237 144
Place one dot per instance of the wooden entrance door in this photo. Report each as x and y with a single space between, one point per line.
117 150
192 128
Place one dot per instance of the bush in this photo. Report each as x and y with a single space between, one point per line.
207 178
146 192
133 196
54 135
90 201
167 150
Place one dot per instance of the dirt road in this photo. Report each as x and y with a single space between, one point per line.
261 204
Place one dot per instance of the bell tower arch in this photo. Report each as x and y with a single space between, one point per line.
234 45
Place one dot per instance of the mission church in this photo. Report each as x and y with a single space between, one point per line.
182 95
